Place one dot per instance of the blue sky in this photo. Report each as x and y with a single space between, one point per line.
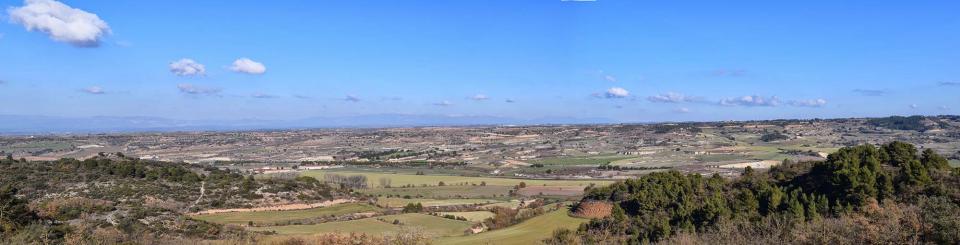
630 61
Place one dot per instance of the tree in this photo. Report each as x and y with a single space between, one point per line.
413 208
932 160
14 212
748 172
522 184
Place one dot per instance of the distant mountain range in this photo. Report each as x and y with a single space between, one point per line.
16 124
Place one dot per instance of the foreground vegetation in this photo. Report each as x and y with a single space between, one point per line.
111 198
862 194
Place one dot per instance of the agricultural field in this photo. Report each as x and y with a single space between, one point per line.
528 232
474 216
584 160
431 225
401 179
400 202
270 217
440 192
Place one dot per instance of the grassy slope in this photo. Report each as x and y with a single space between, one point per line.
368 226
431 225
279 216
529 232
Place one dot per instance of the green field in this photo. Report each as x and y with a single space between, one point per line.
529 232
399 179
475 216
431 225
400 202
511 204
465 191
368 226
271 217
585 160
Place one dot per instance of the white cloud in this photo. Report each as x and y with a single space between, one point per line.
187 67
94 90
682 110
61 22
914 106
943 108
196 90
510 101
480 97
443 103
248 66
671 97
751 101
949 83
616 92
809 103
352 98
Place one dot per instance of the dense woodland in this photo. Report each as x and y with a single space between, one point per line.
865 194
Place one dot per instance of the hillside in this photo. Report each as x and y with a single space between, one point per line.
862 194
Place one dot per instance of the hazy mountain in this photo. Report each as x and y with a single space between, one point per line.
16 124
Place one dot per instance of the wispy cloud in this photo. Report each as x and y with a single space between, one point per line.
351 98
808 103
943 108
248 66
443 103
93 90
187 67
949 83
682 110
479 97
259 95
606 77
751 100
672 97
391 98
60 22
870 92
914 106
191 89
303 97
609 78
509 101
